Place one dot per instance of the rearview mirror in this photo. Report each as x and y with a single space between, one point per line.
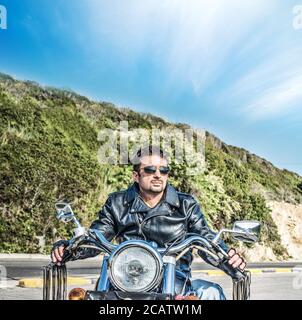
64 212
246 231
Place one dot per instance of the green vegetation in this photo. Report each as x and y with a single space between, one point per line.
48 151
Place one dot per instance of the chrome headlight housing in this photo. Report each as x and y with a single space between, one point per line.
135 267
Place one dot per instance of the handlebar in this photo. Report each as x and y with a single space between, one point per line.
187 243
94 239
104 244
108 247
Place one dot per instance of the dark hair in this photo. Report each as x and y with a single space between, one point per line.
147 151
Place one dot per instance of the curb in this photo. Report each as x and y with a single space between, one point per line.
23 256
36 257
252 271
38 282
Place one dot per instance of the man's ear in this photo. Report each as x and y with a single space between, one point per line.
135 176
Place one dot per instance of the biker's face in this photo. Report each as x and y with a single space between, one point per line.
151 182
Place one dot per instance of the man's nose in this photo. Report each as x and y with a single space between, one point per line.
157 173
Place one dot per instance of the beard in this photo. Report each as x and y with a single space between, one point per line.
156 187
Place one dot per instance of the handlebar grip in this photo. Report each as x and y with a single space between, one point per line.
67 253
235 273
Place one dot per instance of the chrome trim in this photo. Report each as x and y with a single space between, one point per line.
169 259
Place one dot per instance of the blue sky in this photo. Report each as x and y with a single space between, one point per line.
231 67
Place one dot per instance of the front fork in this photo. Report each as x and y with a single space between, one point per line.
103 283
169 276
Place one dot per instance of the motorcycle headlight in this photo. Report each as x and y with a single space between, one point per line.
135 267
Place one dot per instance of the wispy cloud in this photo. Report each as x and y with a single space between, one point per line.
271 89
279 100
191 40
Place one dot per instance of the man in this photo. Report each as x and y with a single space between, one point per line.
152 210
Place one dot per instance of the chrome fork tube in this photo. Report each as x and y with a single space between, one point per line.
169 275
103 284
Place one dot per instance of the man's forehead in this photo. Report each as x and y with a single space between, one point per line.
153 160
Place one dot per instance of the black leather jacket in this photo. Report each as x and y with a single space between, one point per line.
125 216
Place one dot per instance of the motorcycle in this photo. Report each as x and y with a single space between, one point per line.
140 270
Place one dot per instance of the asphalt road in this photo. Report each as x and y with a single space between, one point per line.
265 286
17 269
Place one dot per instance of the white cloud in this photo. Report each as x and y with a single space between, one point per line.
191 40
273 88
278 100
208 36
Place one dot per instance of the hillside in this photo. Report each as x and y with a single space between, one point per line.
48 151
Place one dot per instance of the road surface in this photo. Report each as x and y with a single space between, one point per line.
265 286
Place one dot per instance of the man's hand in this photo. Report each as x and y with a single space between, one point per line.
235 260
58 251
57 254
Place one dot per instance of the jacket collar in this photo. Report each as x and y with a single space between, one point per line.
170 196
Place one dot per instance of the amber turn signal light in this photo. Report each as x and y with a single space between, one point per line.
77 294
191 297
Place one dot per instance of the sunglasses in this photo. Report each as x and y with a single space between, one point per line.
152 169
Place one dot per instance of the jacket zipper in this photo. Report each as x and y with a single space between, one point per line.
140 227
144 222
